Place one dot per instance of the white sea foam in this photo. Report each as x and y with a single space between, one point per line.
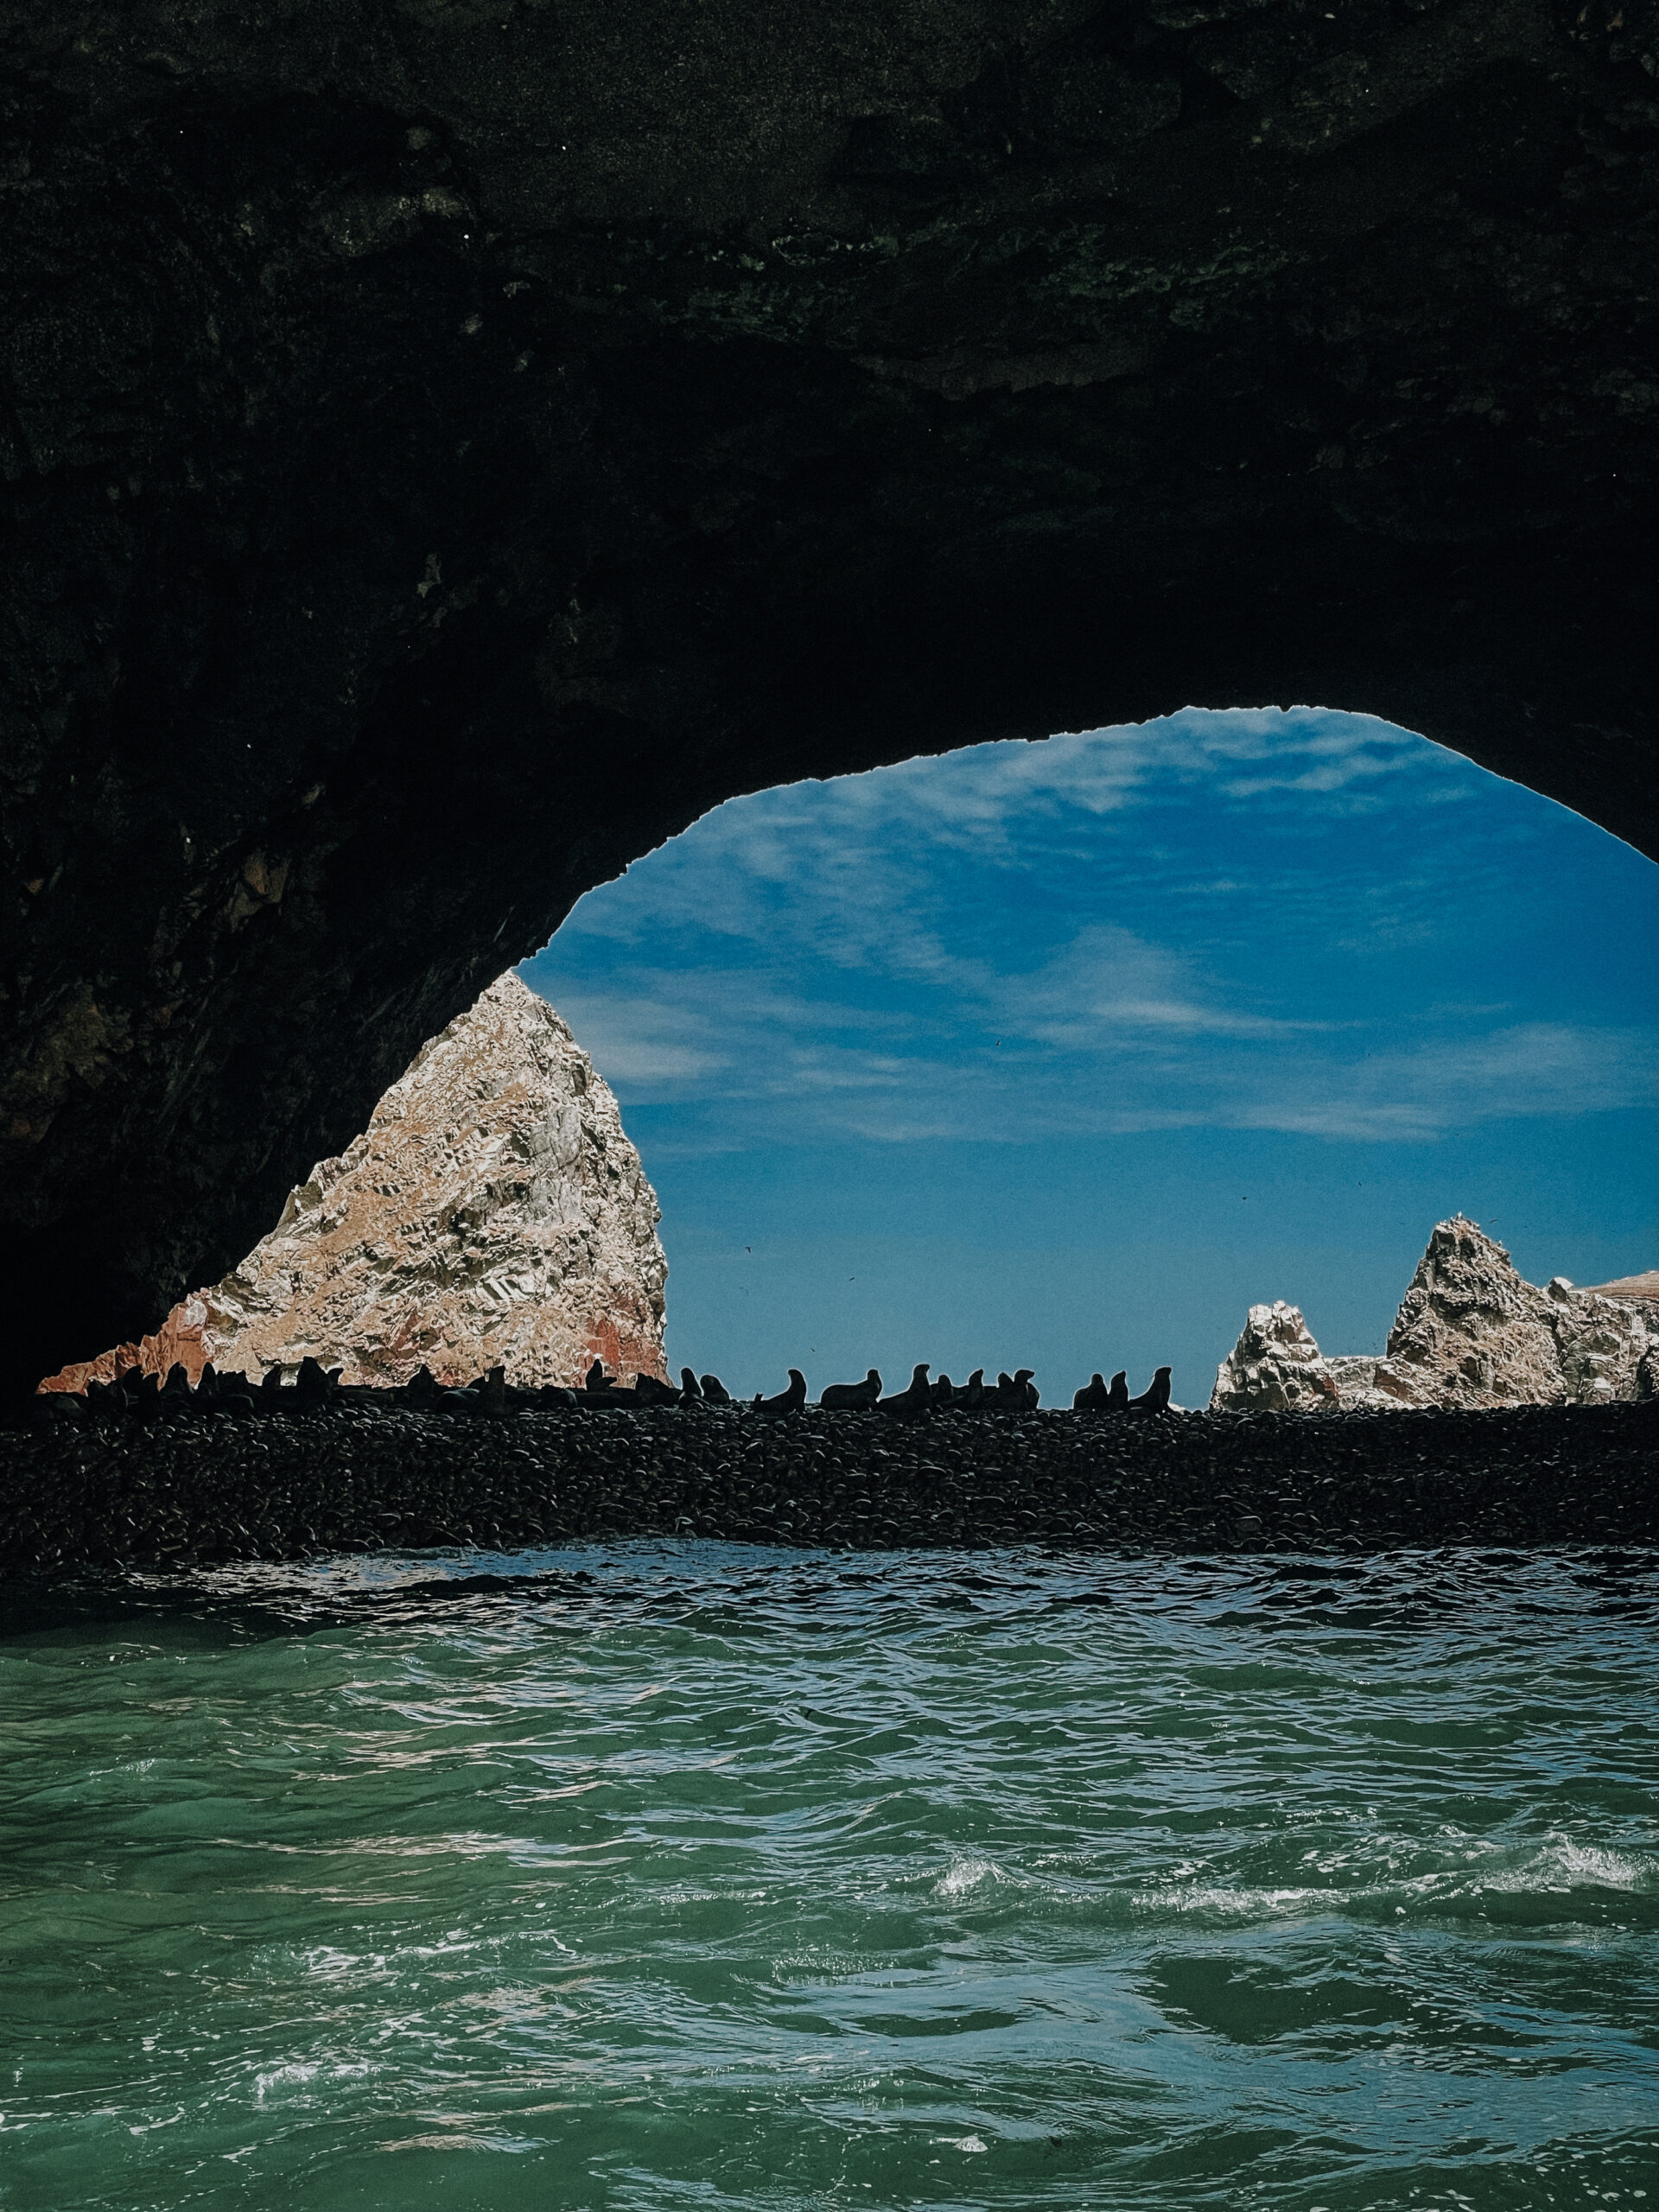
1556 1866
1232 1901
967 1876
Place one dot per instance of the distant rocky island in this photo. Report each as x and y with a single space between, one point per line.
493 1213
1471 1333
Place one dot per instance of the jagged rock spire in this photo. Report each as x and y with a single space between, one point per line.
1471 1331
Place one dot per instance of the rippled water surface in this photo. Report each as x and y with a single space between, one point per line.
692 1876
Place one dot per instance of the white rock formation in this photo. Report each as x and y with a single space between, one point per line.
1275 1367
493 1213
1469 1332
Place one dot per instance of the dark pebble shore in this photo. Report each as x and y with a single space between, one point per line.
191 1487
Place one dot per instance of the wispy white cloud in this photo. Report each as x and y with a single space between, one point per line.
1527 1070
788 1068
851 859
945 948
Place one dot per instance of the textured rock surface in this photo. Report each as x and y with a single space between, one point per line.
1470 1332
493 1213
449 447
1640 1290
1275 1367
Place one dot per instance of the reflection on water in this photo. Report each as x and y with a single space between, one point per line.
665 1875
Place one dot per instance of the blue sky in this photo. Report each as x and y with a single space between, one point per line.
1061 1055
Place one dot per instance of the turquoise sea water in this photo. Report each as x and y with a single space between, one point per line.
690 1876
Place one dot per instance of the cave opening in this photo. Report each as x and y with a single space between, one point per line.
1064 1053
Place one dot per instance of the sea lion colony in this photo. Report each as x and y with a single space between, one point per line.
138 1394
161 1477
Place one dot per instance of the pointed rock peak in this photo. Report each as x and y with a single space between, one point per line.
1470 1332
1460 1242
1463 1272
1275 1366
492 1214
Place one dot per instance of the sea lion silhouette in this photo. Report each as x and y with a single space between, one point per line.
714 1391
1118 1397
315 1383
913 1399
786 1402
421 1390
690 1387
1094 1397
1154 1399
843 1395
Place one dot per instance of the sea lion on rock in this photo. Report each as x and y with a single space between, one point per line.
944 1391
1117 1397
50 1405
912 1401
655 1393
1016 1389
690 1389
854 1394
714 1391
315 1384
1154 1399
596 1379
786 1402
1094 1397
235 1395
972 1392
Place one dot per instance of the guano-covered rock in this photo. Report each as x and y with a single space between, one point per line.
492 1213
1470 1332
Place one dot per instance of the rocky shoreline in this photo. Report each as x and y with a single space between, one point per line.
285 1482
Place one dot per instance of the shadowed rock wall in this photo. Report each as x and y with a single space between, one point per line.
448 448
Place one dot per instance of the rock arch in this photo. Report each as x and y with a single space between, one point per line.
450 448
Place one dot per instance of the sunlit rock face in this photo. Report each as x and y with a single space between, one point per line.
1275 1367
1470 1332
493 1213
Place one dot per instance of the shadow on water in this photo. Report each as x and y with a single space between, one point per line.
1399 1591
